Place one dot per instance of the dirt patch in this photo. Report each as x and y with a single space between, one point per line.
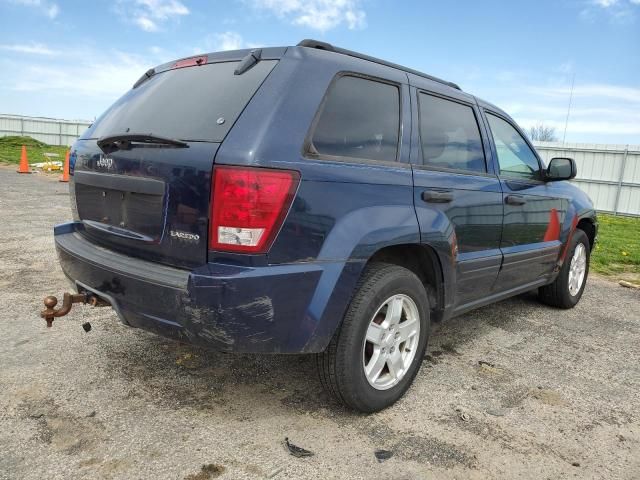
431 451
548 397
71 435
206 472
60 429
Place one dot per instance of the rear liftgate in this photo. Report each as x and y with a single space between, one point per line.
122 180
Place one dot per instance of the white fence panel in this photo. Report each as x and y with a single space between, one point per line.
609 174
49 130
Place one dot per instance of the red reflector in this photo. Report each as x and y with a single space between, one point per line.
191 62
248 206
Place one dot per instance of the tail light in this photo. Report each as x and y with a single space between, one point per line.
248 206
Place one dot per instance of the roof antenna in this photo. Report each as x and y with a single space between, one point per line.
566 122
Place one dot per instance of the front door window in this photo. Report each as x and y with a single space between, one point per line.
515 157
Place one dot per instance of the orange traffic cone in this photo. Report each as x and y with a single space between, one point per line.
65 169
24 163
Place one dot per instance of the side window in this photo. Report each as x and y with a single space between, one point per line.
515 157
360 118
450 135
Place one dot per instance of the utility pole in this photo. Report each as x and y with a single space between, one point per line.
566 122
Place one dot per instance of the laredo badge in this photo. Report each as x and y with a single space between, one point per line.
186 236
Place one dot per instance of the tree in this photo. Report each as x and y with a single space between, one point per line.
542 133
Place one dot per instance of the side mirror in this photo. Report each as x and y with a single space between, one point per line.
561 169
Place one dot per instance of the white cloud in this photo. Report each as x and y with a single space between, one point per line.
79 81
613 3
82 83
617 11
566 67
585 127
31 48
229 41
551 110
601 112
50 9
146 24
628 94
84 73
149 15
319 15
164 9
585 121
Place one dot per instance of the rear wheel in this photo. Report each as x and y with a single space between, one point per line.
566 290
375 355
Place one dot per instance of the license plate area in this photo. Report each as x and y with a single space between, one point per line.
137 212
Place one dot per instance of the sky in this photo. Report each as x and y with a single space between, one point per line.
72 59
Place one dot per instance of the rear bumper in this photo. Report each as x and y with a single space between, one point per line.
274 309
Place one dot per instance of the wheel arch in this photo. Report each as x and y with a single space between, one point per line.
422 260
588 226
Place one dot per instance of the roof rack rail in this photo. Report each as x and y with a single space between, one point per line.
330 48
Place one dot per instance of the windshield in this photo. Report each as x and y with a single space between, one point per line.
195 103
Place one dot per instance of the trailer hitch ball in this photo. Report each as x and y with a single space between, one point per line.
49 312
68 299
50 301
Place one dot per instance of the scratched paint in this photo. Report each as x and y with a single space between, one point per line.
261 308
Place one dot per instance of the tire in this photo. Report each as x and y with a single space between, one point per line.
342 365
559 293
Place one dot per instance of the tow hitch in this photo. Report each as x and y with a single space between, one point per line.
68 299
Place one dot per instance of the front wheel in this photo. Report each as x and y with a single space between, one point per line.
375 355
566 290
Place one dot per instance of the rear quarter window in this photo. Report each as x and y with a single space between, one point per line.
198 103
360 118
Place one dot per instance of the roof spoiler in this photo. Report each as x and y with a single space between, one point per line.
249 61
318 45
145 76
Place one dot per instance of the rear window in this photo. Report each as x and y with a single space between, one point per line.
450 135
193 103
360 119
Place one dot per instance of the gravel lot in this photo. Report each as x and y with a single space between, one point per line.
514 390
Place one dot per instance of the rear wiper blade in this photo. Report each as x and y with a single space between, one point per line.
123 141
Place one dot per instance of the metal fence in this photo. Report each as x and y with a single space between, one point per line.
609 174
48 130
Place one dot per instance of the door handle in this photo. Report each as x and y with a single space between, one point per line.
515 200
434 196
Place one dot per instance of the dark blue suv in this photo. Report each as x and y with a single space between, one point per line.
311 199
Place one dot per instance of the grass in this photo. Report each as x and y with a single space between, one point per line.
10 148
617 252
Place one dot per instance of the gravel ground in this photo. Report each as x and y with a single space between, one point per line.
514 390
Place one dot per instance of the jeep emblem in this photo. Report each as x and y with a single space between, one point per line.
105 162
